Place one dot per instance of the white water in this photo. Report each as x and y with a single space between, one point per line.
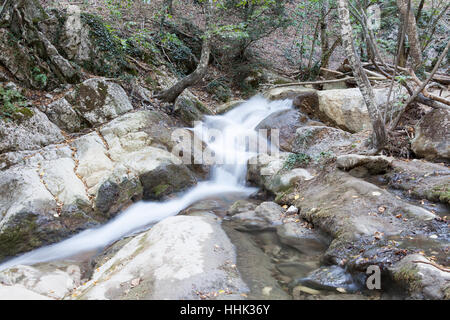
225 178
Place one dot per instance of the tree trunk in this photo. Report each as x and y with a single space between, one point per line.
411 31
171 94
379 130
324 33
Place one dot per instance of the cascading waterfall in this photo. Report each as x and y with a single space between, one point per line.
226 177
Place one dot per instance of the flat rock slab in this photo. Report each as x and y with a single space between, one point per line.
182 257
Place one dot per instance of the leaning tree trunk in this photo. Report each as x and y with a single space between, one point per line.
411 31
379 129
171 94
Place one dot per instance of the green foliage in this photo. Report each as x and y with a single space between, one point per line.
324 157
112 48
39 77
13 105
295 160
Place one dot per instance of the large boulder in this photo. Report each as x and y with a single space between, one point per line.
421 278
347 109
317 140
270 172
98 101
29 133
183 257
190 108
286 122
432 140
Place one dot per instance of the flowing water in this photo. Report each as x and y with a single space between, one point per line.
228 177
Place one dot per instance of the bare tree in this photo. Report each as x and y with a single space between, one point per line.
379 136
411 31
171 94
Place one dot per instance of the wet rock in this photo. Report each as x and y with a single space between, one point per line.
374 164
307 102
190 108
420 179
249 221
286 122
265 216
193 254
268 171
433 136
28 134
255 267
422 280
230 105
356 213
329 278
303 239
241 206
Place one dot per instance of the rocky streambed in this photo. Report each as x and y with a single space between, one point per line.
323 216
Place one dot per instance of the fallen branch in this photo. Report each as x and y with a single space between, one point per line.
322 82
434 265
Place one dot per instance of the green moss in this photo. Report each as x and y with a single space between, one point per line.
111 59
408 276
20 237
160 189
442 193
13 106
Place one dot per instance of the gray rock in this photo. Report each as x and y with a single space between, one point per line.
192 254
374 164
230 105
346 107
241 206
64 116
423 281
329 278
28 134
303 239
190 108
287 92
314 140
98 100
286 122
432 140
52 281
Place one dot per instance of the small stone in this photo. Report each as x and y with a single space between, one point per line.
305 290
266 291
292 210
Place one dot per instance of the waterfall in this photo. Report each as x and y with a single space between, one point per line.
226 177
